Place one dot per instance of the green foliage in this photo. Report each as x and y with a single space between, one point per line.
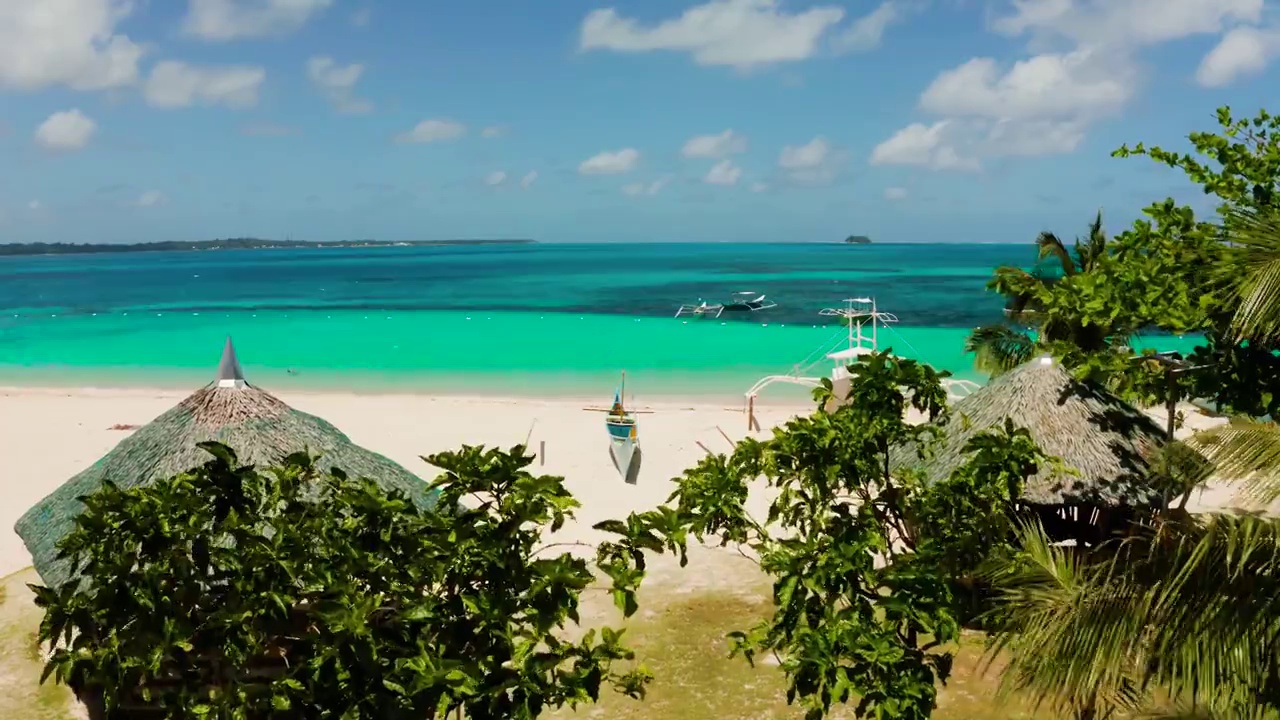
863 560
234 592
968 518
1169 272
1084 311
1186 610
1240 166
1247 153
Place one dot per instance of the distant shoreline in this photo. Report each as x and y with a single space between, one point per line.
20 249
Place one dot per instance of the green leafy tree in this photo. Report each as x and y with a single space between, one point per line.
864 558
1224 262
235 592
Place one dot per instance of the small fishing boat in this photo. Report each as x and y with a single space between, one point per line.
749 301
623 444
702 308
745 301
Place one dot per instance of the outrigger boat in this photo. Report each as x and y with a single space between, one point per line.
701 309
623 443
858 315
745 301
748 301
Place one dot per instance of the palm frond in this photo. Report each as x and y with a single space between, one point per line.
1191 606
1093 246
1255 237
1247 453
1051 247
998 349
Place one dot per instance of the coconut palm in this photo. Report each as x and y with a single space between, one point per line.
999 348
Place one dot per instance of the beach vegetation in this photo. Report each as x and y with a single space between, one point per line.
1183 612
1169 273
870 566
232 591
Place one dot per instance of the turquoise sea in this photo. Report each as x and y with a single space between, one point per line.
530 320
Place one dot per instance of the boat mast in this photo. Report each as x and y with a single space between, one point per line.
622 391
874 318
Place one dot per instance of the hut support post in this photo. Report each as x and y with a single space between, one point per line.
542 452
752 424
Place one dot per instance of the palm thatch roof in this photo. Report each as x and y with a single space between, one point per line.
258 426
1109 443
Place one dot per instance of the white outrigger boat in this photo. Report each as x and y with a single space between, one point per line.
857 314
744 301
701 309
623 443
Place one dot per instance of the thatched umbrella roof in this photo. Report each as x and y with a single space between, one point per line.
259 427
1107 441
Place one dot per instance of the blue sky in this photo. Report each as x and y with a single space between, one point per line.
591 120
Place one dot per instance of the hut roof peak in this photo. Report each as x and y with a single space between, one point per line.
229 373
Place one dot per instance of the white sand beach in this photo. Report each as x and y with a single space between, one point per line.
48 435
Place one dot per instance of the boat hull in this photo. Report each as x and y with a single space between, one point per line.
624 448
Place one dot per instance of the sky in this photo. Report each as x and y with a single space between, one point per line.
609 120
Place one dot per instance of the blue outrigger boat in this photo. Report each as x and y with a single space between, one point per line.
622 432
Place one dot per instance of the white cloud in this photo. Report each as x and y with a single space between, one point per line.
737 33
1045 103
803 157
34 205
1243 51
150 198
895 193
759 187
1079 83
528 180
220 20
1120 24
66 42
66 130
494 131
867 32
815 162
723 173
644 189
338 83
495 178
361 17
915 144
433 131
173 84
610 163
931 146
715 146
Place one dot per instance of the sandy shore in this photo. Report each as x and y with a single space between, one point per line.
47 435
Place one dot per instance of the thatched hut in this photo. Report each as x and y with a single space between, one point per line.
1109 444
258 426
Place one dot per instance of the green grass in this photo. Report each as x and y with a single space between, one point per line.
681 640
21 659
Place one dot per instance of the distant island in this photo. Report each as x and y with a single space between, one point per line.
228 244
857 240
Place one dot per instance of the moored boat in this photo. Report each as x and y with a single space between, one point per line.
623 441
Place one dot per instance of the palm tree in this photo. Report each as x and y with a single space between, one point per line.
1190 605
1001 347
